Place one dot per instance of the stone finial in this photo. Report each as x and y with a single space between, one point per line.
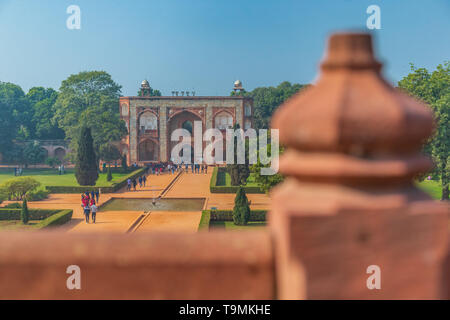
352 110
348 202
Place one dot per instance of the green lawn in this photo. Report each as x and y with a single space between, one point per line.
433 188
18 225
50 177
229 225
224 179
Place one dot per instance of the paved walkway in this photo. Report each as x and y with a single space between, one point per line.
197 186
187 185
171 221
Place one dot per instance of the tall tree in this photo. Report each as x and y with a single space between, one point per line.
33 153
15 120
90 99
42 102
239 173
86 169
266 182
109 153
434 89
25 214
241 210
267 99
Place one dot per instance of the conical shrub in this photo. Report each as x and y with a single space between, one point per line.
241 210
86 170
25 214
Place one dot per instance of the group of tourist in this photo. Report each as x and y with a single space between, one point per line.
89 202
196 168
170 167
61 169
18 172
132 183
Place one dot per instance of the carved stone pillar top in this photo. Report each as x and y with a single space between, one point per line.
352 149
374 130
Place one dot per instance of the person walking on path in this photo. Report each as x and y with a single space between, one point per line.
134 184
84 200
144 180
92 194
129 184
97 194
87 212
140 181
94 209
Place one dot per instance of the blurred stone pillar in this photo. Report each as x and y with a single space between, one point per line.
349 203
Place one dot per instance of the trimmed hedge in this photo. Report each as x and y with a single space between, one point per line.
57 219
111 189
35 214
227 215
48 218
119 169
204 221
215 188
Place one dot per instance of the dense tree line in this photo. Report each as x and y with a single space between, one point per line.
267 99
86 99
434 89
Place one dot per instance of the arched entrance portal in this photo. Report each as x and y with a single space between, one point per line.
148 151
60 153
183 120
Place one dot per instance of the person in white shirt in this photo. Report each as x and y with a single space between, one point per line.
94 209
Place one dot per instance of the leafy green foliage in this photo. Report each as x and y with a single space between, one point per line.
109 152
15 120
266 182
37 194
86 170
90 99
239 172
241 210
42 102
267 99
124 163
33 153
52 161
434 89
17 188
24 214
149 92
109 174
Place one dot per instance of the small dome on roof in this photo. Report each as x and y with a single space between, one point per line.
145 84
238 83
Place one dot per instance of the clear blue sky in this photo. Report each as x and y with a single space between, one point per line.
207 44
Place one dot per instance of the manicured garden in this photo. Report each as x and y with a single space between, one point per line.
223 219
50 181
51 177
229 225
221 182
12 218
432 187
